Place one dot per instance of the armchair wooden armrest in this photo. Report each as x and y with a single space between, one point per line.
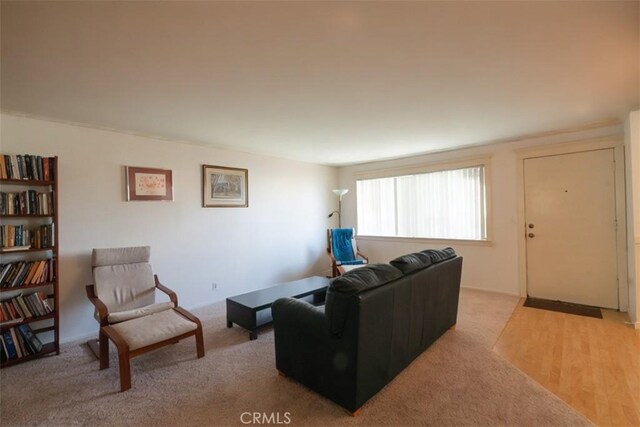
101 308
188 315
366 258
172 295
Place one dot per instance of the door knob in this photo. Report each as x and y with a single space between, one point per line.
531 225
531 235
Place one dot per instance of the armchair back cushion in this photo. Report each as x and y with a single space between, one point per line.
123 278
343 246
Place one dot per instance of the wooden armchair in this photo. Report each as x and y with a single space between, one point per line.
123 294
343 251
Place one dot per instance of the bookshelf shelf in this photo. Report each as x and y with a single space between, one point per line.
27 321
27 182
32 229
7 252
26 216
47 349
22 287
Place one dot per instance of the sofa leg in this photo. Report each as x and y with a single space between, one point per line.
453 328
282 374
354 413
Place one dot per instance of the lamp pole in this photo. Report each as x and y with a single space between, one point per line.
339 192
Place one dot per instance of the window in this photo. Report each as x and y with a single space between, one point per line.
445 204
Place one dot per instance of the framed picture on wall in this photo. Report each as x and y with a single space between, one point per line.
147 184
224 187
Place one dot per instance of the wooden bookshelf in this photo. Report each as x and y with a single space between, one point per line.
51 321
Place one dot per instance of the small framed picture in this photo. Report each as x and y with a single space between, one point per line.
148 184
224 187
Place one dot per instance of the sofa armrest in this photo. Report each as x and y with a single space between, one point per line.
294 319
301 335
307 352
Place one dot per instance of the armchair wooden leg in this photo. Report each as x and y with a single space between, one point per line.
123 356
104 350
125 369
199 342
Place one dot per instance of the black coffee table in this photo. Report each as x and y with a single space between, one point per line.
253 309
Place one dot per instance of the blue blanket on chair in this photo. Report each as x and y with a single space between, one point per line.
342 248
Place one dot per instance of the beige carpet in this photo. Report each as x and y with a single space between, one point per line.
457 381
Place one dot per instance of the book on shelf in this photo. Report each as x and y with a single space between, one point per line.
25 306
21 273
8 341
3 350
30 339
16 343
19 342
25 166
28 202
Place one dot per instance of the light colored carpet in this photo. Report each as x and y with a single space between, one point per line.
457 381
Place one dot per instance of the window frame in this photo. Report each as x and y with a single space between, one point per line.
430 167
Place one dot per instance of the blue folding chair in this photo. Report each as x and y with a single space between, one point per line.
343 251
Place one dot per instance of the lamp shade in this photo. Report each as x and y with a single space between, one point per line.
340 191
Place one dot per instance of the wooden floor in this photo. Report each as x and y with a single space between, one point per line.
592 364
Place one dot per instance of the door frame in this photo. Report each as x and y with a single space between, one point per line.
611 142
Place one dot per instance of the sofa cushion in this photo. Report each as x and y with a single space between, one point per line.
439 255
412 262
352 283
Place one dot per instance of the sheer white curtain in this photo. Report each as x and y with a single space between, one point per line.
376 207
448 204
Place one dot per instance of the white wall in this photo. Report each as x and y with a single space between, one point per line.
491 267
279 237
632 152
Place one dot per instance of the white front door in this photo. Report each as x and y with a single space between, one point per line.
570 220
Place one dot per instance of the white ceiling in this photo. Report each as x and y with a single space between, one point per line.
329 82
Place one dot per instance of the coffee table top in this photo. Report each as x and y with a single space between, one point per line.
263 298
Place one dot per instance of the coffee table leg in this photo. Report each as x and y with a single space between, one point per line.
253 335
229 324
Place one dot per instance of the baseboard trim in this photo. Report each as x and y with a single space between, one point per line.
493 291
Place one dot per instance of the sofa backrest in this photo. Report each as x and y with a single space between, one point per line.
345 287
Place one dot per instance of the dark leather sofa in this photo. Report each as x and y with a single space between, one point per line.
376 320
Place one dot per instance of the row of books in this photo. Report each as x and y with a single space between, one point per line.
18 342
23 307
18 166
28 202
22 273
19 237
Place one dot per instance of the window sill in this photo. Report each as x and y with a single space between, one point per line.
458 242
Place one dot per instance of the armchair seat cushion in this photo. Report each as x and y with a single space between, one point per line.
121 316
346 268
152 329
